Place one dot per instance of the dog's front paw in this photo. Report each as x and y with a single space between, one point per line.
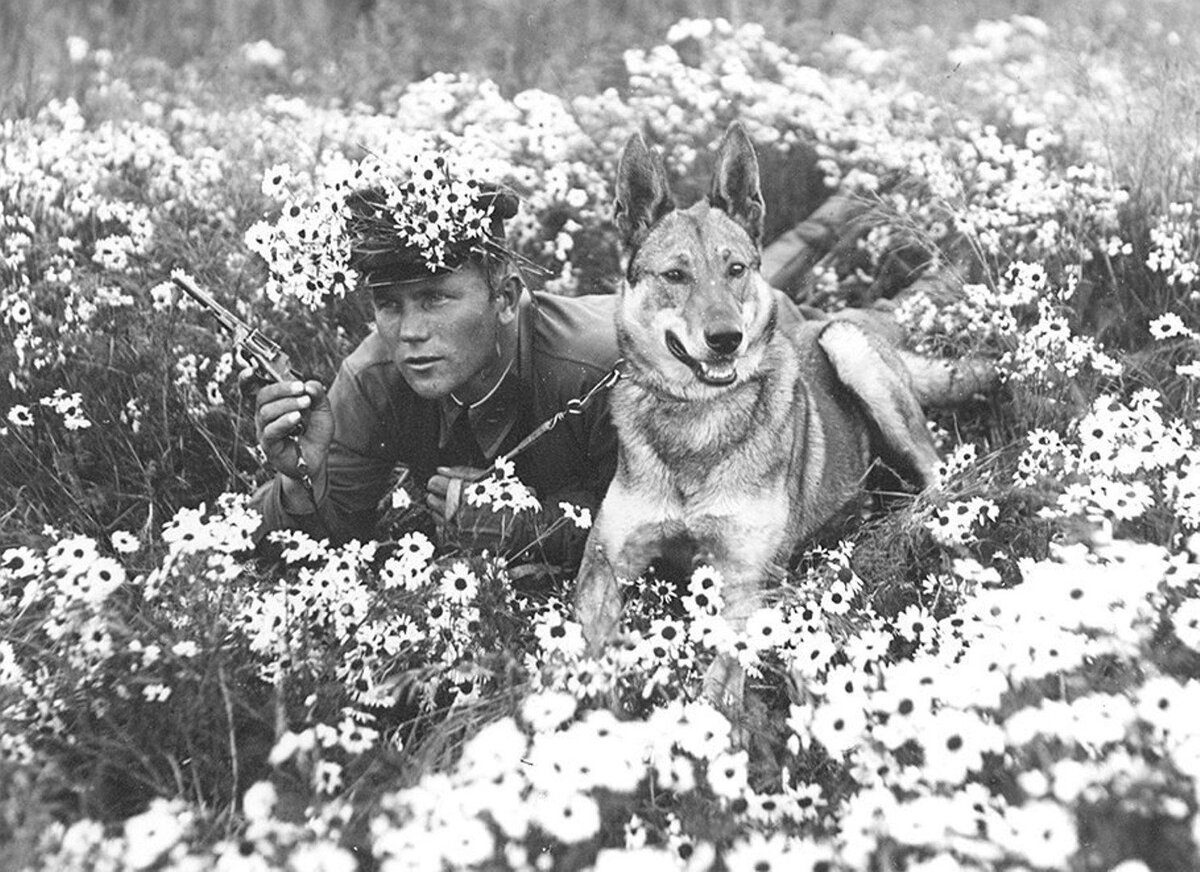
597 601
725 686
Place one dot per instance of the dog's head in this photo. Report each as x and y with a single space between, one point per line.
695 314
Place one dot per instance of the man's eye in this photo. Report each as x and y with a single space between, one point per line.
736 269
675 276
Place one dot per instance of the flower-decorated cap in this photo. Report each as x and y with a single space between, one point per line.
415 213
428 225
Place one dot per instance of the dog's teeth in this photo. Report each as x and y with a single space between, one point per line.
719 375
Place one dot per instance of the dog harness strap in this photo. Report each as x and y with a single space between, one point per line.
575 406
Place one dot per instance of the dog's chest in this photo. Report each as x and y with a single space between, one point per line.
702 459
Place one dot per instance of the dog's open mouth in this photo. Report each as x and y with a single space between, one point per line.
715 373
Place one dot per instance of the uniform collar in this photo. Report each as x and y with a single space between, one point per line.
493 419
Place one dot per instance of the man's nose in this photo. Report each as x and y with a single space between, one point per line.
413 328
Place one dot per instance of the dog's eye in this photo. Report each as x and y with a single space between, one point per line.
736 269
675 276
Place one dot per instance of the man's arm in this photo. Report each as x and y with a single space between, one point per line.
553 535
347 485
550 535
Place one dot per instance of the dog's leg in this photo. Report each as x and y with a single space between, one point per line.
878 378
725 681
597 594
745 548
725 685
744 569
620 546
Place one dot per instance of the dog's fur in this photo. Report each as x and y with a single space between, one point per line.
743 428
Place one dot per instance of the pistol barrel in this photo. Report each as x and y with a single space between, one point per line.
229 321
268 356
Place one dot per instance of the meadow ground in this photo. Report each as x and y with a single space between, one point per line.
997 674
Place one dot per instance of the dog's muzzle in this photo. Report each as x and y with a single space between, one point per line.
715 373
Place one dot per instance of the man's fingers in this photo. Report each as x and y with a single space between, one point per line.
273 402
283 389
443 492
438 484
275 391
281 427
281 417
466 473
271 409
315 391
436 504
453 497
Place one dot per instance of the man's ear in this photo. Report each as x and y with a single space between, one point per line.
642 193
736 190
508 296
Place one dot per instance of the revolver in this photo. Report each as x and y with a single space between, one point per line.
268 357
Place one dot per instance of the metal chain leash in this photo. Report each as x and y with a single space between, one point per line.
304 476
574 406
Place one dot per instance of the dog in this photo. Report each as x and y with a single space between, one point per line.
742 427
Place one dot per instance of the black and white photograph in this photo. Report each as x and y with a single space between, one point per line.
599 435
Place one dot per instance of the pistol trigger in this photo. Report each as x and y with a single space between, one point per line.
253 384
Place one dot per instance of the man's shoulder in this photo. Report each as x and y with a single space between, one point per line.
575 331
371 352
370 366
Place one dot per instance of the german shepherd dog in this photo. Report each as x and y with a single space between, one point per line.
743 428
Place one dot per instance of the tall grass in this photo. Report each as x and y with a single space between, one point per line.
184 681
361 50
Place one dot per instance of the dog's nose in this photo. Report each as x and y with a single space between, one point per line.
723 341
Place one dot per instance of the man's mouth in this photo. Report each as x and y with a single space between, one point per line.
717 373
420 363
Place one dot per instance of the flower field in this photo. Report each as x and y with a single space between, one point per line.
998 674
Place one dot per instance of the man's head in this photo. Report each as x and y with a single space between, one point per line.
446 303
454 331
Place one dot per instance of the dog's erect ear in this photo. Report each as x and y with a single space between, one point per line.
642 193
735 187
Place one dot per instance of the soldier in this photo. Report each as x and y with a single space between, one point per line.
463 362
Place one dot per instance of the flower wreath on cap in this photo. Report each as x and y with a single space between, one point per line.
429 224
384 221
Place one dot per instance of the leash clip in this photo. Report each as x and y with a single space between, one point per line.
574 406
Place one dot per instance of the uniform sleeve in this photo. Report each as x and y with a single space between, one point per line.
549 536
553 535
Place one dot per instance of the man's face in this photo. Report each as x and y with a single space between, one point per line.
442 331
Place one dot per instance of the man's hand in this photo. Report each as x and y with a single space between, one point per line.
292 409
443 493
